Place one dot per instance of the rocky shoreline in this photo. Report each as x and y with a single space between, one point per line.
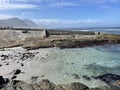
19 59
7 84
44 39
34 39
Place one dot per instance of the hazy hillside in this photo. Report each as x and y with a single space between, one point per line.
16 22
30 23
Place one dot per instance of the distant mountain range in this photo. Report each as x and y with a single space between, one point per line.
26 23
17 22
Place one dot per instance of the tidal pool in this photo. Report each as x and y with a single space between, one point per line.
64 65
60 65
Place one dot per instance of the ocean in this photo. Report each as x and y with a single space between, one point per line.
112 31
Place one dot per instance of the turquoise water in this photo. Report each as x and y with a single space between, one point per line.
61 64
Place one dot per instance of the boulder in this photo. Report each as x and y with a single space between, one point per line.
101 88
19 85
75 86
46 85
59 87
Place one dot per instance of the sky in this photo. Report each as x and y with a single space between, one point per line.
64 13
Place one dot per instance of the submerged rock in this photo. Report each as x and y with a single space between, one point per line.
34 78
86 77
76 76
112 80
108 78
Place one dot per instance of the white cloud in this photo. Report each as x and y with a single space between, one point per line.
65 3
62 3
28 4
16 4
65 21
26 13
59 23
99 1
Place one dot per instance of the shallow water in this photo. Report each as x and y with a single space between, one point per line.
61 64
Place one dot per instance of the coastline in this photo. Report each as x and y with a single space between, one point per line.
21 57
34 39
34 69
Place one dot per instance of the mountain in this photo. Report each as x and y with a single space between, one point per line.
30 23
17 22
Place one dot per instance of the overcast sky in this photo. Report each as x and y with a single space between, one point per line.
64 13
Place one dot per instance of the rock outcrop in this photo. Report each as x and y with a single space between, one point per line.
33 39
45 84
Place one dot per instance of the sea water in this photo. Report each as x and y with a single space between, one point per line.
60 65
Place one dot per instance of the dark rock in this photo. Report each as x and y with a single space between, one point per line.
0 65
76 76
17 62
22 64
42 75
17 71
86 77
108 78
25 31
7 63
72 63
4 57
66 73
94 77
46 85
27 55
13 77
3 81
111 79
